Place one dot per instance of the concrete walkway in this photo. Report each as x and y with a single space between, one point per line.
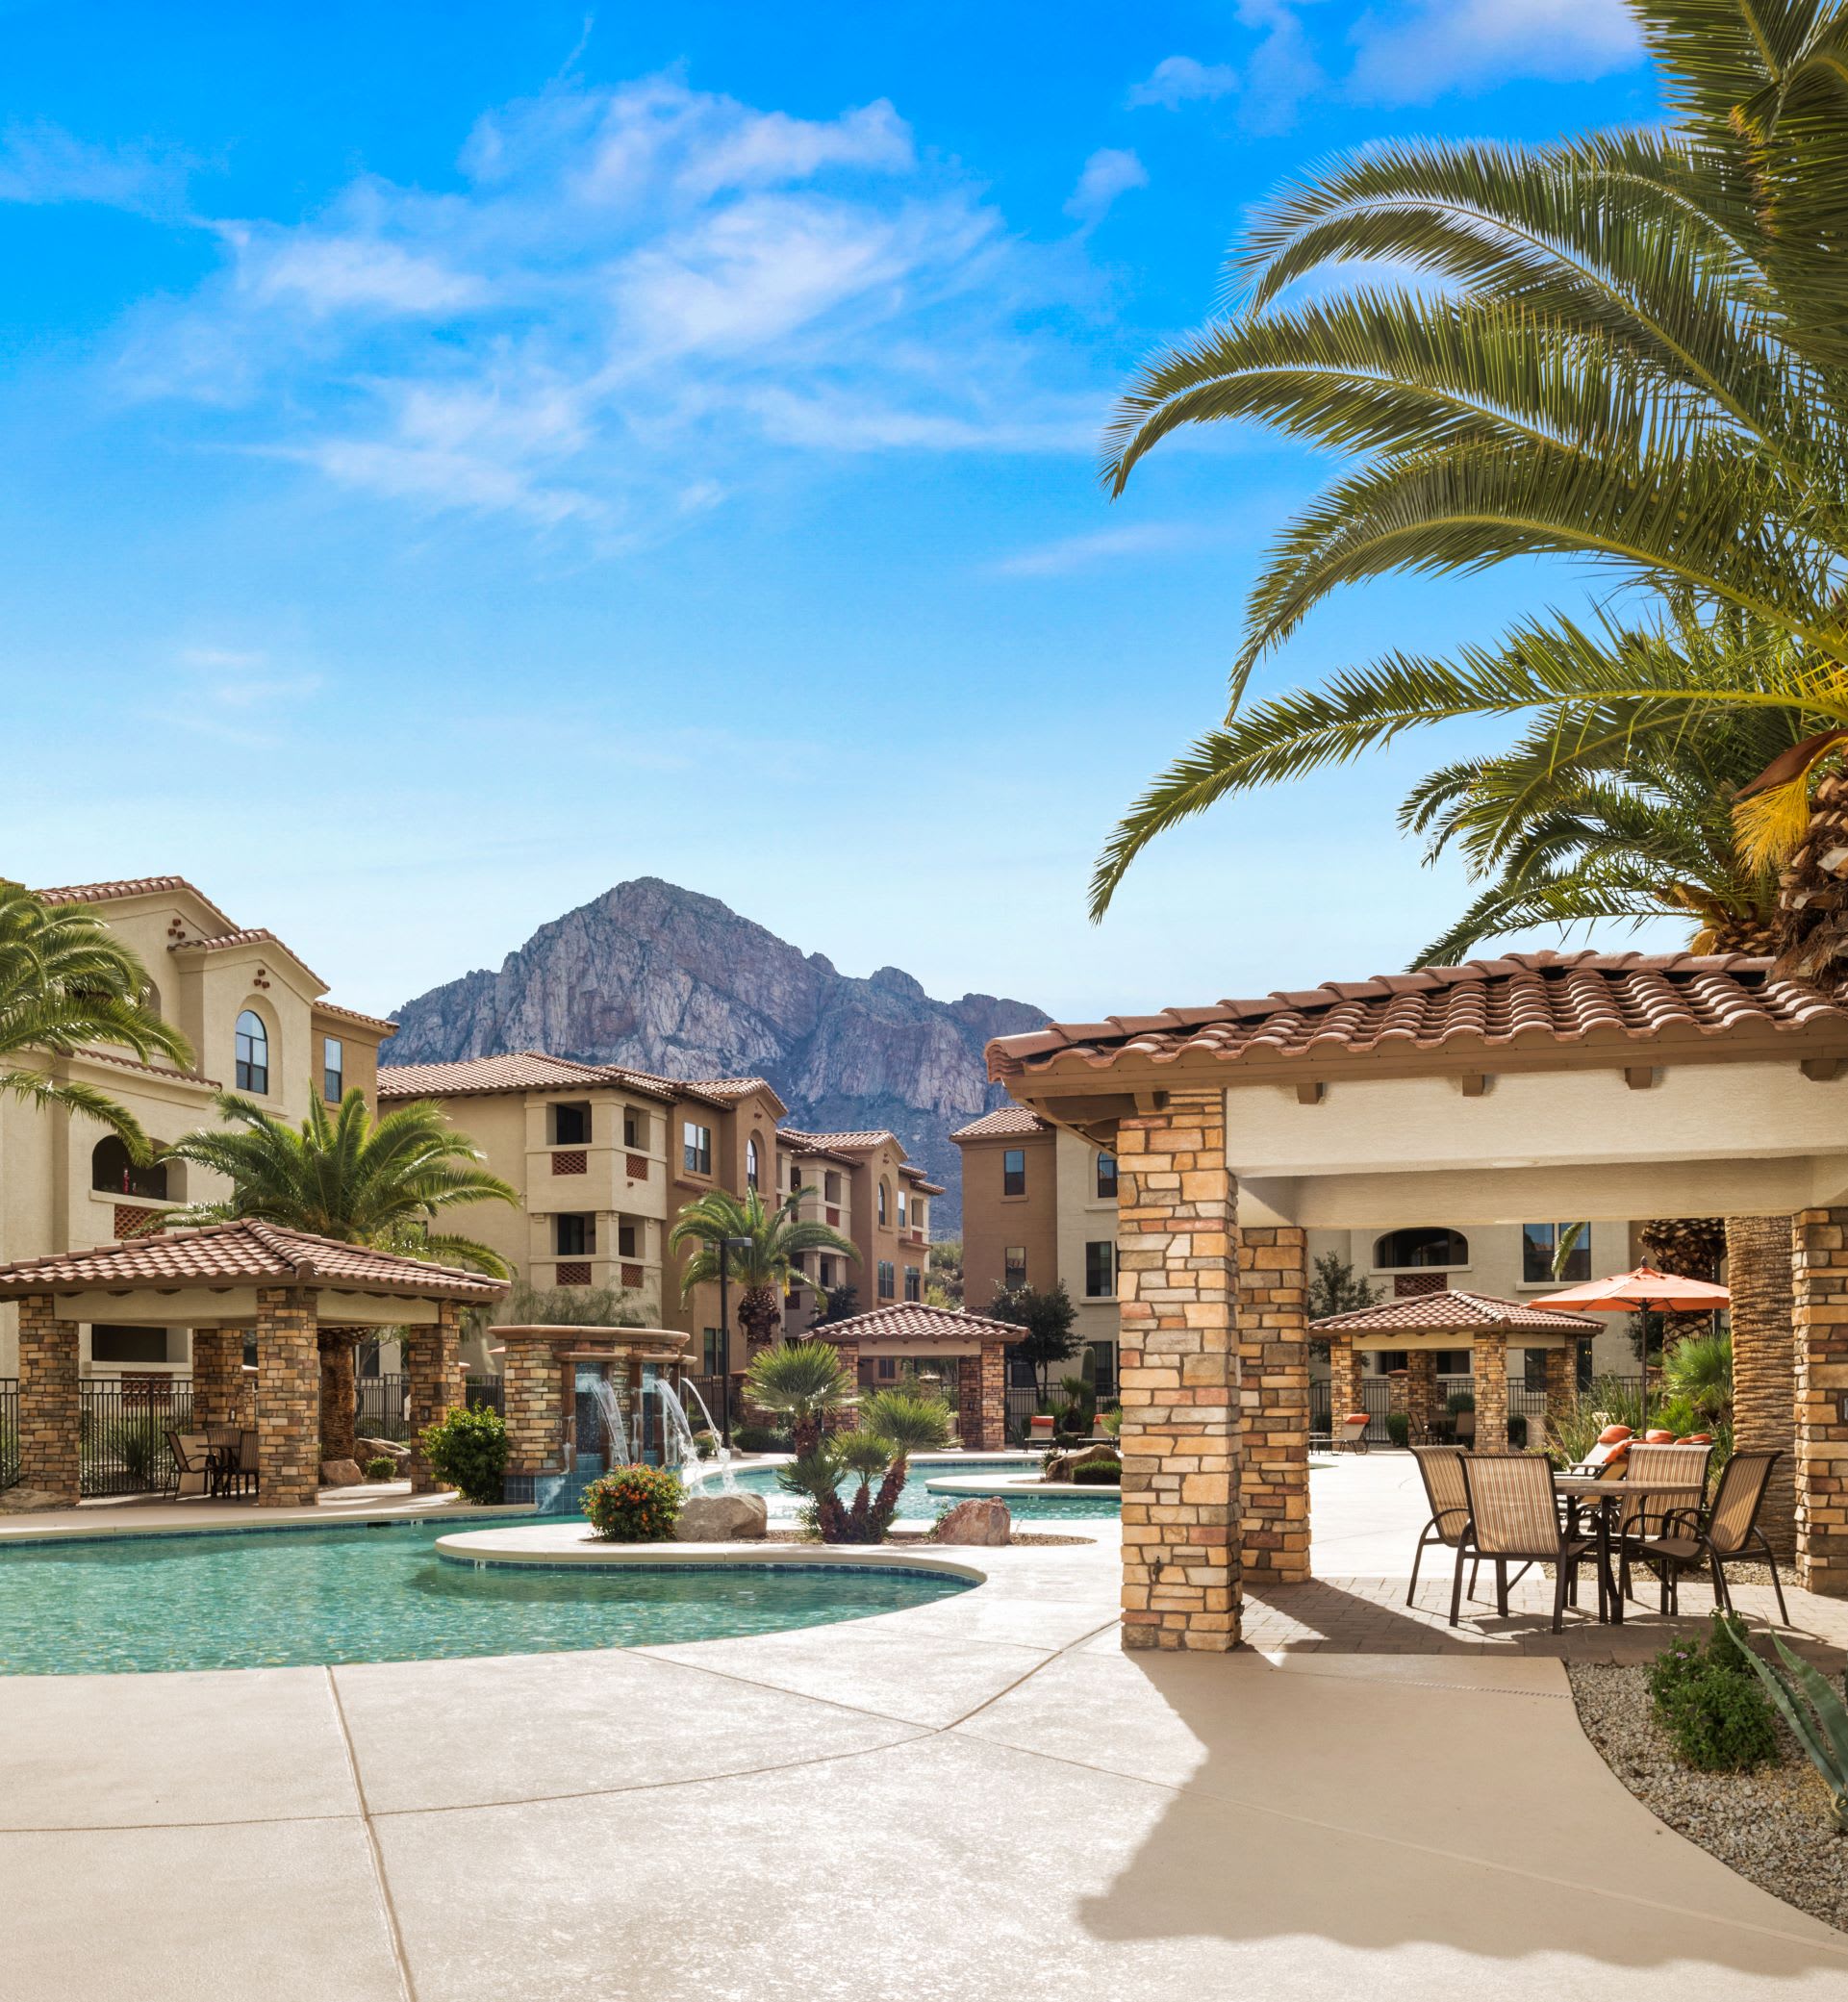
966 1801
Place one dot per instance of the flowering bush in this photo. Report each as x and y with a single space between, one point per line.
635 1505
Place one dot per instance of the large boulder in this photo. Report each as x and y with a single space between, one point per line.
381 1449
340 1473
721 1519
982 1519
28 1501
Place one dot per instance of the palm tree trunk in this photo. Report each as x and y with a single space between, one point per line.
759 1316
1764 1380
337 1392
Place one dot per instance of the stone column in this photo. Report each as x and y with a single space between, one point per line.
1273 1404
50 1408
845 1416
338 1393
1820 1275
1759 1256
288 1399
217 1377
1399 1393
1421 1392
1560 1376
1491 1383
1344 1381
981 1399
435 1368
533 1395
1178 1277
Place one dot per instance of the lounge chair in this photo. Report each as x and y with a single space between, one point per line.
191 1453
1514 1518
1441 1467
1351 1433
1042 1431
1729 1533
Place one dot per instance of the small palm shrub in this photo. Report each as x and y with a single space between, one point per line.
1709 1702
382 1468
1698 1371
893 1425
635 1505
468 1449
802 1381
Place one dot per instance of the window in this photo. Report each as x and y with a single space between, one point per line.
1107 1178
885 1200
712 1352
695 1148
253 1053
1100 1269
1541 1245
794 1176
826 1265
1421 1246
903 1209
913 1283
571 1125
573 1237
1014 1172
888 1278
1014 1265
112 1171
628 1238
750 1162
333 1069
1453 1362
1021 1374
831 1187
1104 1353
1533 1370
635 1128
127 1344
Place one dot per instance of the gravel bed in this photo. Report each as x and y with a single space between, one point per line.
1773 1826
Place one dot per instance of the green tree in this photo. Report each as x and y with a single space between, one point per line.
347 1176
802 1381
1050 1321
894 1424
1334 1289
66 983
763 1267
1627 349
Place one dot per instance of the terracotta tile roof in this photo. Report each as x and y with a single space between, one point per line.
124 887
134 1063
1007 1121
805 1142
250 935
911 1321
537 1070
1523 999
239 1254
380 1022
1458 1312
719 1087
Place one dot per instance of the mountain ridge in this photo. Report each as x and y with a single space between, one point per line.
672 980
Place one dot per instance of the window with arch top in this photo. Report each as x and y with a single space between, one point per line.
1420 1246
253 1053
885 1202
114 1170
750 1163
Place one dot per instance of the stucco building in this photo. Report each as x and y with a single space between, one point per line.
260 1024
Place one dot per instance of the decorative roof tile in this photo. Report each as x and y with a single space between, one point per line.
805 1142
242 1254
1523 999
912 1321
1453 1311
1005 1122
123 887
379 1022
537 1070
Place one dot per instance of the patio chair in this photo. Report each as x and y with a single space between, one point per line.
1463 1428
1514 1518
1729 1533
1640 1515
1042 1431
1442 1470
191 1453
1351 1434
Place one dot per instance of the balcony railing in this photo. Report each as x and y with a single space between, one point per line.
571 1160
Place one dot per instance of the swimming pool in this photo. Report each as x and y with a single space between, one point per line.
378 1592
917 1504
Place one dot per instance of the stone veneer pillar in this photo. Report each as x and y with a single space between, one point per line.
1489 1382
1273 1404
1560 1376
288 1398
1819 1274
50 1455
981 1399
1421 1392
1759 1257
1177 1285
435 1360
533 1396
1344 1381
217 1377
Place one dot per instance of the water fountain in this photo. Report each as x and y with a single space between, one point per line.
682 1450
727 1479
609 1409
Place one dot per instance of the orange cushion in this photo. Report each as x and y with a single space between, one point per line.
1608 1459
1613 1434
1695 1438
1658 1437
1357 1418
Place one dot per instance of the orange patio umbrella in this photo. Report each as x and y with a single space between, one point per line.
1653 1291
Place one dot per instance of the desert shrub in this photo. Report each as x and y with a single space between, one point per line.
468 1449
1097 1473
1709 1702
382 1468
1517 1430
635 1505
758 1438
1399 1428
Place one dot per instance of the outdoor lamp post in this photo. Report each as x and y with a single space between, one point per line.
726 1245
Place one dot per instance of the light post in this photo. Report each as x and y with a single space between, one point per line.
726 1245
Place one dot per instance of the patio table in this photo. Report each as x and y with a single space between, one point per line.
1583 1489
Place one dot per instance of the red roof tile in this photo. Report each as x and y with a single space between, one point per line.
1453 1311
243 1252
836 1143
124 887
911 1321
1523 999
1006 1122
538 1069
382 1022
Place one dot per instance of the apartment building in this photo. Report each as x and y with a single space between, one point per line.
260 1024
861 1184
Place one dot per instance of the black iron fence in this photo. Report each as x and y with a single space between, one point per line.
122 1431
9 1431
383 1407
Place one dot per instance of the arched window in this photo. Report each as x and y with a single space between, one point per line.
112 1170
750 1162
253 1053
885 1201
1421 1246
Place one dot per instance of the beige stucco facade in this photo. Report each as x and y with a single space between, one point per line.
205 972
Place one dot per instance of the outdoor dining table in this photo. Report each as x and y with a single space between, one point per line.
1588 1490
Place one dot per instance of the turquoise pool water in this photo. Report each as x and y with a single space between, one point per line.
917 1504
289 1598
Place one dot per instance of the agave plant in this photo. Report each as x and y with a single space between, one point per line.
1810 1703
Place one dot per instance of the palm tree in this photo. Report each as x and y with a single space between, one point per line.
765 1265
348 1177
893 1425
802 1381
1630 349
67 982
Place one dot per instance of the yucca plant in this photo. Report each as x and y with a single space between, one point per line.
1810 1704
893 1425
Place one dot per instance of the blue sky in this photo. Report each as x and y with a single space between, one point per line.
458 458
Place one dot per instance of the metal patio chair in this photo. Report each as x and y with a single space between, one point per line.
1641 1516
1728 1534
1441 1468
1514 1518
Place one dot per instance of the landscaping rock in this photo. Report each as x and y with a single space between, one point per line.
28 1501
381 1449
982 1520
721 1519
340 1473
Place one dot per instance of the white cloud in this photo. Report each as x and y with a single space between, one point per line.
1281 71
42 163
1177 80
1439 44
1078 553
1111 171
629 293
